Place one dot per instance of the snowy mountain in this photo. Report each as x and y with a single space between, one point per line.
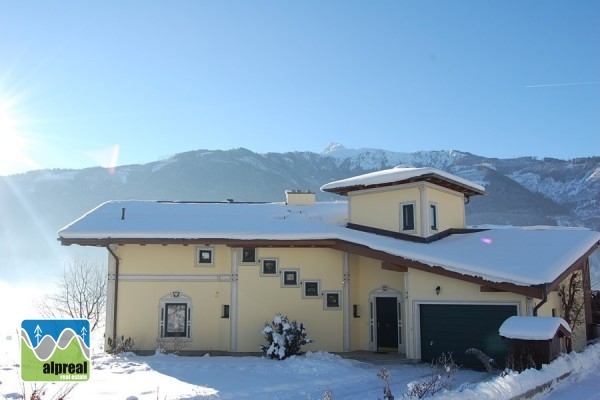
520 191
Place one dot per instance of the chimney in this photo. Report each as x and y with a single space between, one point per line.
299 198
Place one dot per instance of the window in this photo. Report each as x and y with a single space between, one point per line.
205 257
289 278
249 255
433 217
175 320
175 316
269 267
311 289
408 217
225 311
331 300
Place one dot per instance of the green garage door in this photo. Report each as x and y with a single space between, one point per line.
458 327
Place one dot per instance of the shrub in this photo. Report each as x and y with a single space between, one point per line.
385 378
488 363
170 346
442 376
284 338
119 345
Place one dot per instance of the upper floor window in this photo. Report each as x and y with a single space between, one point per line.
249 255
205 257
433 217
408 217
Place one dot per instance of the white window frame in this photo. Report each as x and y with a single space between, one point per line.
204 250
326 294
269 260
283 276
174 297
253 262
304 282
414 209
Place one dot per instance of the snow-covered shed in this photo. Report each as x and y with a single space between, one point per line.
534 339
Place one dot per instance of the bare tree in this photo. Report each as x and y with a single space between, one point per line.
81 293
572 303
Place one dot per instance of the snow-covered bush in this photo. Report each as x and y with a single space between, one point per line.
284 338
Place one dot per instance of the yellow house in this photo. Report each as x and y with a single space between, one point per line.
392 269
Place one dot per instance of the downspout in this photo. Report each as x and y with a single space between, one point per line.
544 299
112 253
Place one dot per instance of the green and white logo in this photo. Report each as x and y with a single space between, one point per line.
55 350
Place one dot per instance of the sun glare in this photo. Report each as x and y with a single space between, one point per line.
13 143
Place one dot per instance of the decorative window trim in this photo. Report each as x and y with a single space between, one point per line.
404 227
250 258
205 256
311 289
433 216
332 300
269 267
290 278
175 298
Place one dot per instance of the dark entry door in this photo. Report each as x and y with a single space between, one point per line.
387 323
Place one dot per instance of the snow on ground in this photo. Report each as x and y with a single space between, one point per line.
167 377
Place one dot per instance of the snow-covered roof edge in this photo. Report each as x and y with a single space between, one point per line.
532 328
396 174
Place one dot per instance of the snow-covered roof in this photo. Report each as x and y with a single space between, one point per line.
522 256
532 328
397 175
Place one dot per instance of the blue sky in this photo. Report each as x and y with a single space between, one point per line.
112 82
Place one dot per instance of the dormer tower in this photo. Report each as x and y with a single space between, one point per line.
419 202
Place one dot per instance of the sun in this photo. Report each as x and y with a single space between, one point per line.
13 143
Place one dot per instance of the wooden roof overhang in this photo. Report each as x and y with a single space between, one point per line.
103 242
431 177
580 264
535 291
389 261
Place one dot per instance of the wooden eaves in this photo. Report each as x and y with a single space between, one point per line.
432 178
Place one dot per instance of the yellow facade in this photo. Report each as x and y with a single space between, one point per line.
230 300
381 208
148 273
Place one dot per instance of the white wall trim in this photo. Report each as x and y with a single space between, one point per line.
346 299
174 278
233 306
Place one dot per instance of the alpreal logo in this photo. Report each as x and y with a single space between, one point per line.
55 350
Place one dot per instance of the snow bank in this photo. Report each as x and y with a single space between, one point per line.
514 384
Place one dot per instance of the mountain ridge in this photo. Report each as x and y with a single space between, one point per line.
520 191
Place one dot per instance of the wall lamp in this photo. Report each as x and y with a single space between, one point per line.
438 289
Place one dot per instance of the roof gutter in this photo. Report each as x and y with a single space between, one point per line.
112 253
544 299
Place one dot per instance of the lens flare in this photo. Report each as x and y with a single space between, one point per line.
486 240
13 143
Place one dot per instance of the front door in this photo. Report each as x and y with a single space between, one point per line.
387 323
